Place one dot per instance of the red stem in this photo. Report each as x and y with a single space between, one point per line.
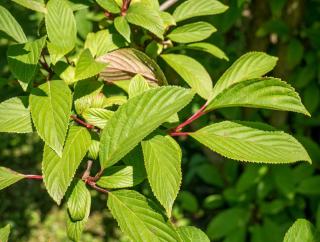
35 177
94 186
79 121
179 134
125 6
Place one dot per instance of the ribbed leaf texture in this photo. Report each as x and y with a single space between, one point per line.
162 159
109 5
4 233
192 72
195 8
15 116
33 5
138 219
123 27
137 86
11 27
58 172
270 93
192 32
301 230
97 116
50 105
192 234
247 143
137 118
8 177
123 64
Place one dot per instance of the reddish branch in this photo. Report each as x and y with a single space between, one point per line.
83 123
125 6
35 177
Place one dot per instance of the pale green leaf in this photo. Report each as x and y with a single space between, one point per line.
109 5
114 100
167 19
192 32
146 17
270 93
192 72
301 230
50 105
58 172
162 158
23 60
137 86
8 177
75 228
4 233
11 27
97 116
247 143
192 234
93 151
15 116
87 66
249 66
61 29
137 118
122 26
33 5
138 219
194 8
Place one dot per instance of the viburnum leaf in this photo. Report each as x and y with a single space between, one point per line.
270 93
192 234
123 64
109 5
137 118
15 116
137 86
301 230
192 72
4 233
247 143
8 177
58 172
195 8
61 29
122 26
138 219
192 32
33 5
249 66
50 105
97 116
23 60
114 100
167 19
162 159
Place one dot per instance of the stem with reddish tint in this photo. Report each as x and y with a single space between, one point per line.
79 121
35 177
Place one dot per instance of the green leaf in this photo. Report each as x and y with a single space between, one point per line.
97 116
146 17
192 234
192 32
33 5
114 100
310 186
58 172
87 66
167 19
162 159
137 86
11 27
4 233
270 93
93 151
15 116
122 26
8 177
102 42
138 219
301 230
50 105
147 112
126 63
23 60
109 5
192 72
61 29
194 8
245 143
249 66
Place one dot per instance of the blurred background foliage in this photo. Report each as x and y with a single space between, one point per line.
243 202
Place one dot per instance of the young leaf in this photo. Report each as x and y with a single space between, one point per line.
23 60
11 27
138 219
122 26
270 93
192 72
146 17
194 8
4 233
15 116
245 143
58 172
61 29
87 66
50 105
137 86
147 111
167 19
33 5
162 158
192 32
109 5
301 230
8 177
97 116
93 150
249 66
75 228
192 234
126 63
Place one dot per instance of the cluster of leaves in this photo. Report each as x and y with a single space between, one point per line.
128 110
